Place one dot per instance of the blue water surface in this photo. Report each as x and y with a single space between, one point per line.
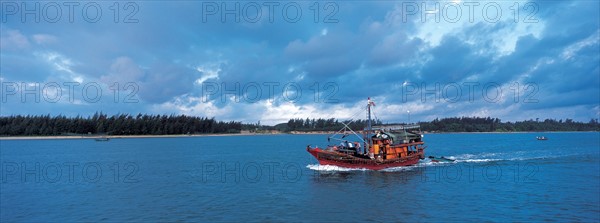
496 177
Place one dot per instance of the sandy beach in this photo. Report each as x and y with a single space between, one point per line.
229 134
129 136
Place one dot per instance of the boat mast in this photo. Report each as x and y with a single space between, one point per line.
369 116
369 127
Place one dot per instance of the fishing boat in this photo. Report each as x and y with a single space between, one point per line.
541 138
374 148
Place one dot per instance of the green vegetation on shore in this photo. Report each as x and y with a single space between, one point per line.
142 124
462 124
46 125
475 124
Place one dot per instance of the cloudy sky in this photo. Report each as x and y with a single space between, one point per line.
272 61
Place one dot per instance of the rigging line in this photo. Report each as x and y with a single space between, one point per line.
344 129
373 111
354 132
355 115
346 125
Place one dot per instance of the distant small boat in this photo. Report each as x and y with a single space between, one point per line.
440 159
102 139
541 138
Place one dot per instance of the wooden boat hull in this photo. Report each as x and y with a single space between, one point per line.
348 161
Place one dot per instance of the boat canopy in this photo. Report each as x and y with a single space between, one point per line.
400 133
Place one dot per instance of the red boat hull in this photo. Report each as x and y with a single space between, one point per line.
343 160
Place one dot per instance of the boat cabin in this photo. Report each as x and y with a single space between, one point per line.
398 141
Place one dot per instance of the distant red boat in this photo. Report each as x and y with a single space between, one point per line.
384 147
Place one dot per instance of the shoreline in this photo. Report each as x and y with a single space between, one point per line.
542 132
130 136
234 134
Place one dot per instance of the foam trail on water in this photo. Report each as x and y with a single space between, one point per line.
478 160
332 168
508 156
399 169
460 158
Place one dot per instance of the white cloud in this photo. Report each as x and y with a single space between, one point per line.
209 71
572 50
189 105
503 38
61 64
268 112
44 39
13 40
274 113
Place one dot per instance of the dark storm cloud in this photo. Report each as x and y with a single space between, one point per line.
369 50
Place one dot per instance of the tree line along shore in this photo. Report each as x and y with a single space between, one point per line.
144 124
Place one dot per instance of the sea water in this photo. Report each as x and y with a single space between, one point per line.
496 177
